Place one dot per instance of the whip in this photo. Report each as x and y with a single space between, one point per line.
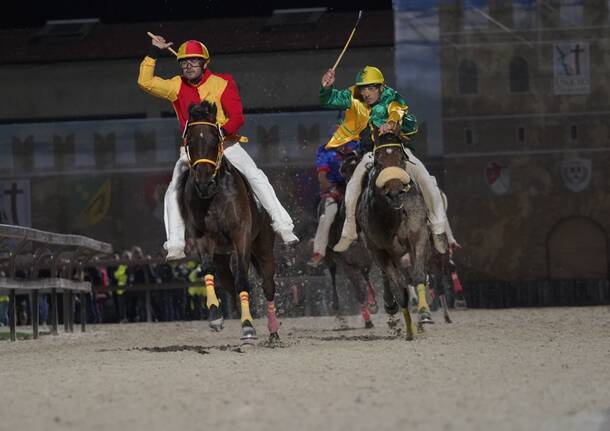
348 41
169 48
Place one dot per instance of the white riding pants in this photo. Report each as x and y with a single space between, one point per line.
416 169
174 224
320 241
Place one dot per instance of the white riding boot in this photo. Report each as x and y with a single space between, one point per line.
174 224
349 233
281 221
320 241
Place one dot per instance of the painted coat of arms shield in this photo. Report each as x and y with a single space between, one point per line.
576 173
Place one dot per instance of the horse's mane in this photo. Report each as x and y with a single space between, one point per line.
204 111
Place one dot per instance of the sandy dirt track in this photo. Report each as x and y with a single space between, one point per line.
525 369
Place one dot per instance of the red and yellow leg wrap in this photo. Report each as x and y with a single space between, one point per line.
244 299
210 291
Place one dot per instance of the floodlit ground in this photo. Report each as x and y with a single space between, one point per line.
522 369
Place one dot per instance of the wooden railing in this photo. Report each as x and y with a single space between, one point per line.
29 250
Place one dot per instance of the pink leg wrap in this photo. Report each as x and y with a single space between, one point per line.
272 323
371 295
364 310
457 286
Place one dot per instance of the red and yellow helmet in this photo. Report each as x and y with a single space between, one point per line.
193 49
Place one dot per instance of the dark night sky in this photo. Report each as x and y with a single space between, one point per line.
29 13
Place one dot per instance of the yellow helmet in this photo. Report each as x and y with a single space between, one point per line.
369 75
193 49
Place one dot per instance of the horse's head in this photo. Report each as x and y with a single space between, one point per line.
389 159
203 140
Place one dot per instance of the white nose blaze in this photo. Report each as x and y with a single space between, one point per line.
392 173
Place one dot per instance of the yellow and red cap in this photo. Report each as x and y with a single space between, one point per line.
193 49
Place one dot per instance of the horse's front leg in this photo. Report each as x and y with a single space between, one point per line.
393 275
205 248
445 286
242 246
419 258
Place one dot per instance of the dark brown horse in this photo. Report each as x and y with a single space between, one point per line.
356 262
229 229
393 217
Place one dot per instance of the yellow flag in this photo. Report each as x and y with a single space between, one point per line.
99 204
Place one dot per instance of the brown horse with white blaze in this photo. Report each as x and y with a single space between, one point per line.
229 229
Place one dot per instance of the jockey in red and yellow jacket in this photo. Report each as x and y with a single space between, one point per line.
213 87
196 84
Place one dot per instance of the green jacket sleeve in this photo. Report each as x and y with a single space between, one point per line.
331 98
409 124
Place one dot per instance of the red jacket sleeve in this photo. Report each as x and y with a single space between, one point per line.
232 107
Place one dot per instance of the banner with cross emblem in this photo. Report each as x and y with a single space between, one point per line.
15 202
571 68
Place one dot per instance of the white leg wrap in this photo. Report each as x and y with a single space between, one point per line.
174 224
431 192
320 241
261 187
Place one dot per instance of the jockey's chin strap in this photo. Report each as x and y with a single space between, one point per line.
214 163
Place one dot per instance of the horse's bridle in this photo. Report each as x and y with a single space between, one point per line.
378 147
216 163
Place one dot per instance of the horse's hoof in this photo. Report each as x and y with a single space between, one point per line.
448 319
341 322
373 307
425 317
274 340
368 324
409 337
391 309
248 333
217 325
215 318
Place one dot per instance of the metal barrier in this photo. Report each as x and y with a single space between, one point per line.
28 249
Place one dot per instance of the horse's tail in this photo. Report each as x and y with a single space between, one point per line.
181 187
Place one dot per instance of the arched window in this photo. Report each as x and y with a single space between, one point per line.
577 248
519 75
468 77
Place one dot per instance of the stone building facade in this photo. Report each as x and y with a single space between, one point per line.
526 117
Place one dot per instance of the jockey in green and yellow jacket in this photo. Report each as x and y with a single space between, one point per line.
370 102
358 114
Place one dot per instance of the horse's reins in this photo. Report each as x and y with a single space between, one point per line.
216 163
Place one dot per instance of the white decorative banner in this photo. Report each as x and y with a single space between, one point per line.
497 177
576 173
15 202
571 68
